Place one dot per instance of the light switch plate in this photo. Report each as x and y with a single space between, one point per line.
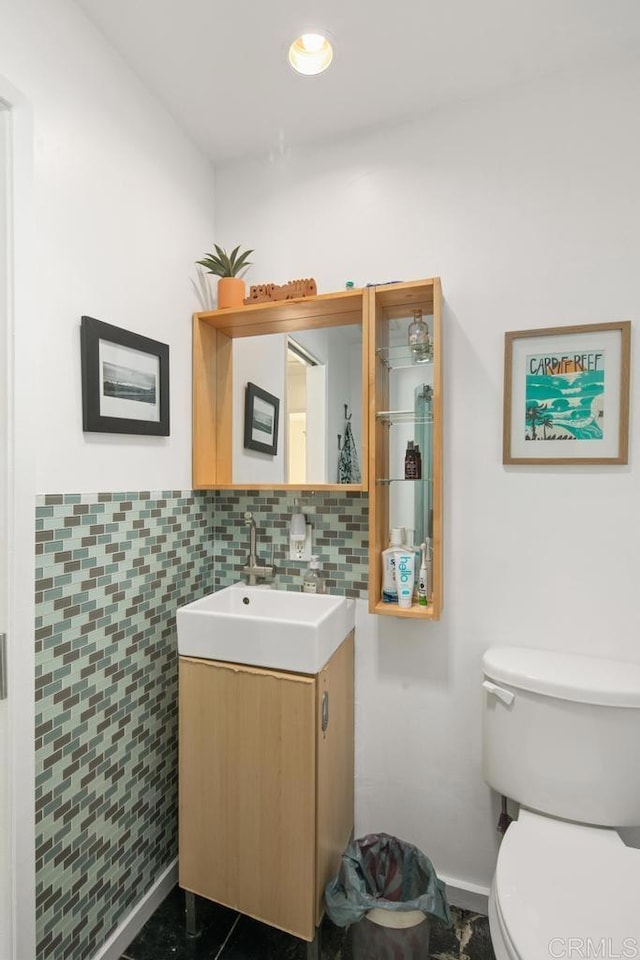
302 549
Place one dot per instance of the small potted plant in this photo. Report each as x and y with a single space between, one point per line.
227 266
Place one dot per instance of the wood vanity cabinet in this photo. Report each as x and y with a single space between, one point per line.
266 786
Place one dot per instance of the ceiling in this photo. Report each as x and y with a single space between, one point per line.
220 68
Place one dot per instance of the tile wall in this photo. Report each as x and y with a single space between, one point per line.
339 523
111 568
110 571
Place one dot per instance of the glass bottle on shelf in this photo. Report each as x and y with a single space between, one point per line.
419 340
412 462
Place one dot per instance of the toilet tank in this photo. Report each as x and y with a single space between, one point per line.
561 733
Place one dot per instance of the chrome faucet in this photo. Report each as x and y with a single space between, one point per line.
254 569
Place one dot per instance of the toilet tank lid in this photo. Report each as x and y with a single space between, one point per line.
566 676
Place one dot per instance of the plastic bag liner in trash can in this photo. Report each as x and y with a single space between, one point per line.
380 871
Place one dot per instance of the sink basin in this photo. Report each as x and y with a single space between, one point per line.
266 628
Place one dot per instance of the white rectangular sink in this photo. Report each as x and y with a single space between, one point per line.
265 628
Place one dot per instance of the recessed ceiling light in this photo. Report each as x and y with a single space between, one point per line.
310 54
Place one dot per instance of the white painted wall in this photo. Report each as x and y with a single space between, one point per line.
124 207
528 207
112 207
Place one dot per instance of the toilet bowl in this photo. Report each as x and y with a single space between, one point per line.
564 890
561 736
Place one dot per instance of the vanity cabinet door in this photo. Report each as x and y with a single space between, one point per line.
247 813
335 765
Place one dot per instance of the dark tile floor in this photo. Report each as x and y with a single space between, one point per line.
226 935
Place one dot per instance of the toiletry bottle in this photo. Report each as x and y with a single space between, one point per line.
410 463
313 581
410 544
419 342
423 586
389 587
405 576
418 456
429 561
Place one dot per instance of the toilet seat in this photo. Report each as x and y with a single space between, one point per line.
503 947
563 887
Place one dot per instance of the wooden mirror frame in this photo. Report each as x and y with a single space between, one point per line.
213 335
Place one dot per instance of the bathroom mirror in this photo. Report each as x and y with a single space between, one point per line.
315 375
306 361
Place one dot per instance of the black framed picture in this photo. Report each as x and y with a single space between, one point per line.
125 381
261 412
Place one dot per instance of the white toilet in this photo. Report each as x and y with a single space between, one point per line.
561 735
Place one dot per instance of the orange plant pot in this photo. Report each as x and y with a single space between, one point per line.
231 292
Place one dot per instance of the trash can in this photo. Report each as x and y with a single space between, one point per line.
389 889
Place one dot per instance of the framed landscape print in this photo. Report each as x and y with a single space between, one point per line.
566 394
125 381
261 411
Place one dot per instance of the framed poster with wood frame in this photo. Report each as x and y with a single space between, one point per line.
566 395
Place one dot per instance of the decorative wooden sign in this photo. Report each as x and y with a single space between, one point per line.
293 290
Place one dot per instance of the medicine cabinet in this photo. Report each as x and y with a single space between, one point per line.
359 340
309 356
405 406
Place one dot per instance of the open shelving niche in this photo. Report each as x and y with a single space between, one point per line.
396 415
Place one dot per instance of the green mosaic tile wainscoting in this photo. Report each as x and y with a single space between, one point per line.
110 571
340 536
